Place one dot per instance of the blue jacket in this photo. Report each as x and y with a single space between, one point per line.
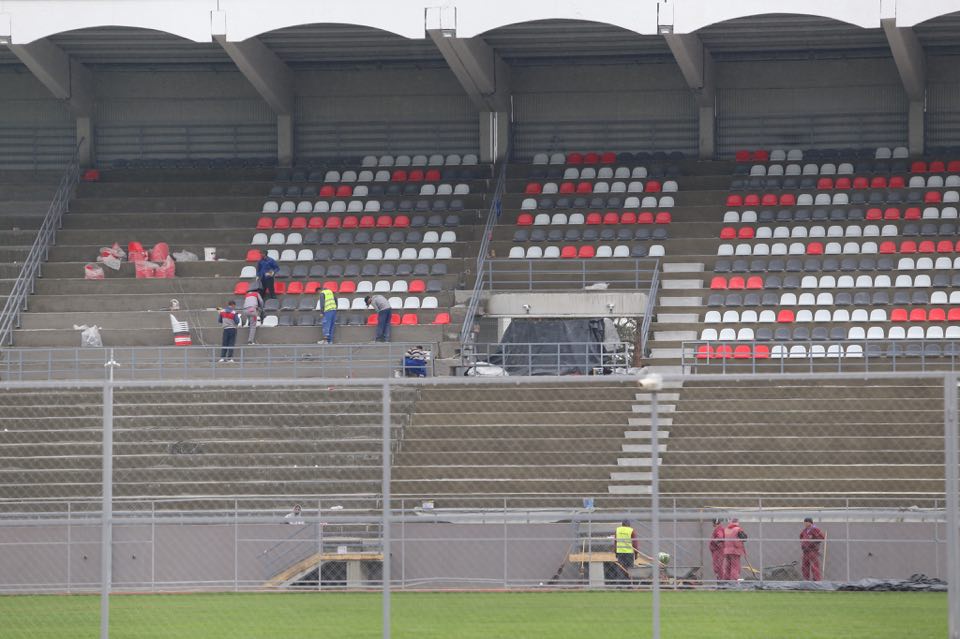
266 264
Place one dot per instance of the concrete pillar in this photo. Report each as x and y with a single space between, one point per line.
708 132
494 135
916 127
85 140
285 150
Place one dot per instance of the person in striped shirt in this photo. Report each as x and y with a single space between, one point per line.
230 319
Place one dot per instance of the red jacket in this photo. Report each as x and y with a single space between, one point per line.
810 540
716 540
732 543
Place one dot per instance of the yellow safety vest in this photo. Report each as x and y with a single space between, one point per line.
329 301
624 537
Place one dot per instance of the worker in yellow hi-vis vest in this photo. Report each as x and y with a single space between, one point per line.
329 315
626 545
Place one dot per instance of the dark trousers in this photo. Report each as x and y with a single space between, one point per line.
229 339
269 290
625 559
383 325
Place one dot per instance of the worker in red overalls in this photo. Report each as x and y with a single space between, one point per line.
811 538
716 549
733 549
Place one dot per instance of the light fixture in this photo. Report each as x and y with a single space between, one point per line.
448 33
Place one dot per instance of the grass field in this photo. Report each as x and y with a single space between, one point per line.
562 615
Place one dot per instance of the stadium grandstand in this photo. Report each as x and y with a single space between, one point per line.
670 261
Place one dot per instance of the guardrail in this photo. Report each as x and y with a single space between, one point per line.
814 355
25 283
374 361
542 274
565 358
493 215
648 311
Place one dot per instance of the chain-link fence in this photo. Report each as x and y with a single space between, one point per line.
508 507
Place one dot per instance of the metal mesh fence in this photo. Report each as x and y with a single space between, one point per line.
524 507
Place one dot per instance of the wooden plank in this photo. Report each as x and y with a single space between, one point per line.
308 563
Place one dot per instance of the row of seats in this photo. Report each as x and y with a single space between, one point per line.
436 159
795 155
608 157
603 173
622 234
296 301
839 215
383 269
594 218
846 184
836 316
842 199
923 280
847 264
842 298
819 351
361 237
358 206
313 287
400 221
636 172
615 202
586 251
836 248
837 333
859 167
311 319
377 254
586 188
928 229
328 191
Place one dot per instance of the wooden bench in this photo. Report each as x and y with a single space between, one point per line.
595 562
354 561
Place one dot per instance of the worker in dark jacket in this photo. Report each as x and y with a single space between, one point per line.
267 269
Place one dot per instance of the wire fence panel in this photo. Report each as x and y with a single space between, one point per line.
542 505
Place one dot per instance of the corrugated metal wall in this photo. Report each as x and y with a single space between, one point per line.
615 121
184 128
810 117
35 134
943 115
345 126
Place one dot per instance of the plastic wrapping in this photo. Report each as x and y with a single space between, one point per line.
93 272
185 256
145 270
166 270
89 336
551 347
160 252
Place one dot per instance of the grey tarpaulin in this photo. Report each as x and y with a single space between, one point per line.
550 346
916 583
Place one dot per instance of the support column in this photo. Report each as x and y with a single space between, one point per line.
696 65
484 76
67 80
269 75
910 59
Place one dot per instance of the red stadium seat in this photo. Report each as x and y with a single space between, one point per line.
395 319
932 197
350 222
264 224
316 222
860 183
788 199
742 156
752 199
344 190
843 183
442 318
586 251
874 214
898 315
728 233
417 286
327 191
368 222
907 246
253 255
768 199
609 157
912 213
945 246
312 288
918 315
761 155
927 246
742 352
611 218
663 217
824 184
645 217
937 166
785 316
568 252
723 351
331 285
567 187
953 166
652 186
896 182
953 315
736 283
384 222
878 182
372 319
574 158
279 288
718 283
745 233
704 351
433 175
240 288
628 217
402 222
591 158
891 213
754 282
281 223
584 188
348 286
937 315
525 219
593 218
887 248
294 288
333 222
399 175
734 200
415 175
298 223
815 248
761 351
918 167
532 188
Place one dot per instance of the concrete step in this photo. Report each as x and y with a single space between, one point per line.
645 434
677 285
629 490
674 336
663 398
682 267
673 301
676 318
630 476
661 408
642 448
666 353
645 421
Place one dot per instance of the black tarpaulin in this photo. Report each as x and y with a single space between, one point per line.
551 347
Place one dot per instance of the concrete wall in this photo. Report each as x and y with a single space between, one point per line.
224 557
36 130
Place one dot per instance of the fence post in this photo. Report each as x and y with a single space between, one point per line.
655 512
952 462
385 492
106 508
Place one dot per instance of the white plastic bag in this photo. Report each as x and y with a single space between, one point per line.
485 369
185 256
110 261
92 272
89 336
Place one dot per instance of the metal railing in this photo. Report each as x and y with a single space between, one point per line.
514 274
25 283
648 312
492 216
374 361
818 355
564 358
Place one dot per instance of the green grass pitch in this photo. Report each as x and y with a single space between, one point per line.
521 615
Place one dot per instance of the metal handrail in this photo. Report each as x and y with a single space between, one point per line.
25 283
648 312
492 216
579 273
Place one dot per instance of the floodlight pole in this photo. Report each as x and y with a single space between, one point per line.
385 510
106 509
952 477
655 513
